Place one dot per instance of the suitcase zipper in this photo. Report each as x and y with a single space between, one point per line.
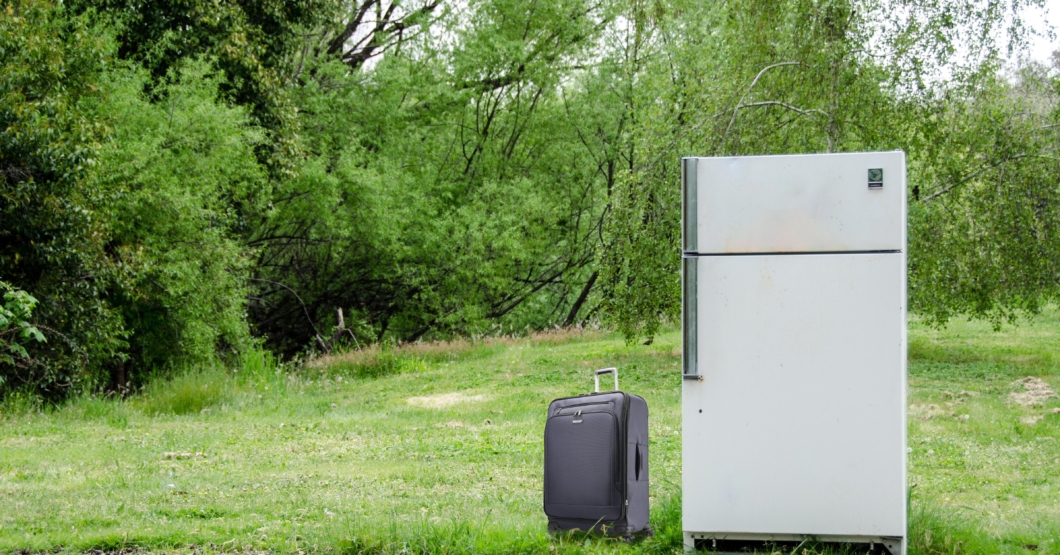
625 446
584 412
586 395
560 412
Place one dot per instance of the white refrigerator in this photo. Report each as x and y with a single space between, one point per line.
794 349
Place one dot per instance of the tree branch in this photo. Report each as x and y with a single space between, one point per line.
581 299
740 104
972 176
304 309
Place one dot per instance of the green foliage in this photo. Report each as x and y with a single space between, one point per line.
841 75
183 182
178 177
50 240
784 77
250 42
120 214
15 328
985 212
444 193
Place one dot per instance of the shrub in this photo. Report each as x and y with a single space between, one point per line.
120 212
50 240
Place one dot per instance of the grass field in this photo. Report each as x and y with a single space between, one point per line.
436 448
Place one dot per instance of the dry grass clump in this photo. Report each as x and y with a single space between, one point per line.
1035 392
926 411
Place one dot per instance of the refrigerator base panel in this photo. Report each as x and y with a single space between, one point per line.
721 543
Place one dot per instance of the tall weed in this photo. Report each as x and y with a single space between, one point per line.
188 392
932 532
18 403
258 367
373 362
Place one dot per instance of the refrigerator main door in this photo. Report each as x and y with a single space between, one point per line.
797 425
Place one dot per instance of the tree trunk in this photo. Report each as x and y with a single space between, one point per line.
580 300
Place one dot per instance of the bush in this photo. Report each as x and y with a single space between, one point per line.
50 240
182 178
15 329
120 212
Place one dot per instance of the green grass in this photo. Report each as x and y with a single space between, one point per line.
982 473
437 449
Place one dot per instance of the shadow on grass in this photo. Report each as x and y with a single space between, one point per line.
923 350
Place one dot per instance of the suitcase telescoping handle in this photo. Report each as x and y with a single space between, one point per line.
612 371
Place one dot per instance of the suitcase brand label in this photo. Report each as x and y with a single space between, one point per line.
577 422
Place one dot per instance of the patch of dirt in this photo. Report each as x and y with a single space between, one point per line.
444 400
453 424
1035 392
926 412
1031 420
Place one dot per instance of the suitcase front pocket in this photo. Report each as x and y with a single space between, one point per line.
580 459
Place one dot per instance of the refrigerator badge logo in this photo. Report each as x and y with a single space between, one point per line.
875 178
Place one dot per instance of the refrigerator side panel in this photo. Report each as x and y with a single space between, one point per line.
800 203
798 423
903 277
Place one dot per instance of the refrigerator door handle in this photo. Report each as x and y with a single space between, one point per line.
689 318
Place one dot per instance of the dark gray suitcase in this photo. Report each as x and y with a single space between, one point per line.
596 462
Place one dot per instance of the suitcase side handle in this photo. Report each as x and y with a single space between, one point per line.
613 371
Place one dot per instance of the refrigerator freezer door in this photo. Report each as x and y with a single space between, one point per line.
798 423
796 203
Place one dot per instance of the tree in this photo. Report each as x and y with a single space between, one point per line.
251 42
182 185
816 76
50 245
446 190
985 208
120 214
